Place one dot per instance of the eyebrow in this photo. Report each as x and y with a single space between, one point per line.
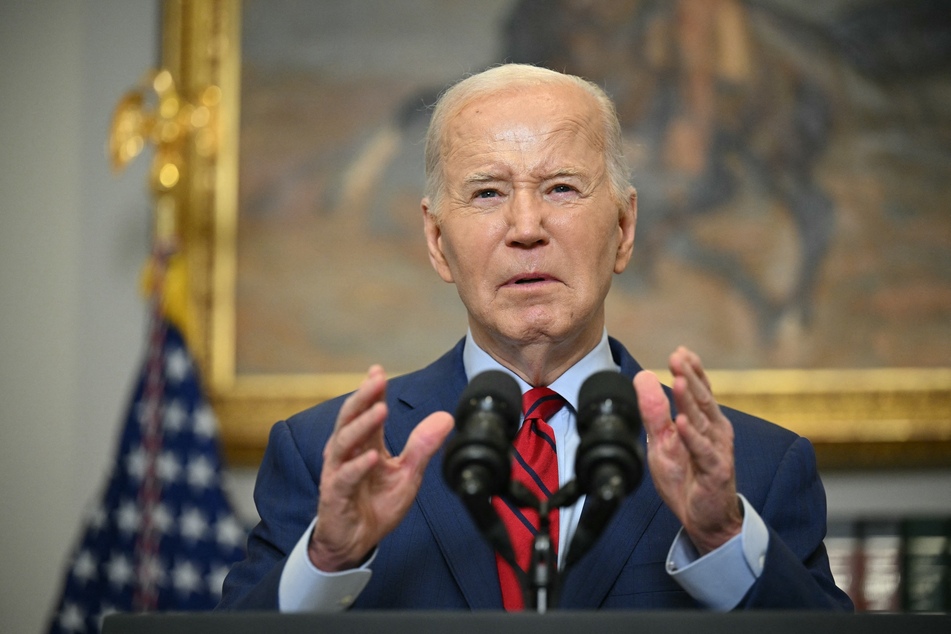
567 172
481 177
478 178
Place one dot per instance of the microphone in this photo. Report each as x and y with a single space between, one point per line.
609 462
477 464
477 460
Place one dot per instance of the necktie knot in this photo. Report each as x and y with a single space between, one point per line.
541 403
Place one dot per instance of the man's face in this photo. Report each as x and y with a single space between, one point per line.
528 229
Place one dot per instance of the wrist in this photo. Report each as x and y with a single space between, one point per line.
708 538
329 559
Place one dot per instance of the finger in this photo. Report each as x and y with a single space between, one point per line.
683 358
699 384
651 400
702 427
370 391
687 405
700 447
698 400
352 472
362 433
425 440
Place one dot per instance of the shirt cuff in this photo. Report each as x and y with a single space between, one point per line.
306 588
721 578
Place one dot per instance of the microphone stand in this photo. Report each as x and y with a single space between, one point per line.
541 583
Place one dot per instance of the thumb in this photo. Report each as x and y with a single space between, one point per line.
653 403
426 439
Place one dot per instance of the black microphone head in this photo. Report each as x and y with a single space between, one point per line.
493 391
609 460
477 461
608 389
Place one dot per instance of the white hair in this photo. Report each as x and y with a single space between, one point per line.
513 77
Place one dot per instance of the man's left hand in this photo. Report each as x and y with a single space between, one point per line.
691 457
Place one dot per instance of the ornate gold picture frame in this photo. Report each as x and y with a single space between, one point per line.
856 417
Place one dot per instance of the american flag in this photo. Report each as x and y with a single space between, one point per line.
163 536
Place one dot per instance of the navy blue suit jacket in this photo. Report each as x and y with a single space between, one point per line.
436 559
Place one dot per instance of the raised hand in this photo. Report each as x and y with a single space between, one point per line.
691 457
364 490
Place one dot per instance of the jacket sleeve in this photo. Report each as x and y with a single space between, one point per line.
796 572
285 495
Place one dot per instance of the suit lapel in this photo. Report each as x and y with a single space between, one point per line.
467 553
469 557
588 583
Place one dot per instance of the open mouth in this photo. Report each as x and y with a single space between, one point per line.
529 279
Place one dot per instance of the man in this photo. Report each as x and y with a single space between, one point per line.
528 212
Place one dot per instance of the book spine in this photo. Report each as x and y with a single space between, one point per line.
881 562
926 565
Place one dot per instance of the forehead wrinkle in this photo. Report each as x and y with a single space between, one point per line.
568 128
552 166
568 131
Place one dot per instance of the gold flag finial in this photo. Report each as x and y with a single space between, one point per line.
156 113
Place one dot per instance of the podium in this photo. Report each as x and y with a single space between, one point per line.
555 622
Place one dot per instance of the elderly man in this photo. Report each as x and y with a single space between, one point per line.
529 213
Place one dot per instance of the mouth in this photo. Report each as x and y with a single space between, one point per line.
529 279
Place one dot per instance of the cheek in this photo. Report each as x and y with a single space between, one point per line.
464 255
474 243
602 261
601 243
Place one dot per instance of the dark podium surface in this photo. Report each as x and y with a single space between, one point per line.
558 622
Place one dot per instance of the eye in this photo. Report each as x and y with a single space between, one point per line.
562 188
486 193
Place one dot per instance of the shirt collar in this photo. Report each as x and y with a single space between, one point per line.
476 360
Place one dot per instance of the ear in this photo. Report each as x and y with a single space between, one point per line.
627 221
434 246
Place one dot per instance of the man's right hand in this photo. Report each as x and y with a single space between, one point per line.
364 491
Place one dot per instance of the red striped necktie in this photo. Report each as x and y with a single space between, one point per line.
534 464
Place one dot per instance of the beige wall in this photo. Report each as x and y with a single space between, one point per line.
72 239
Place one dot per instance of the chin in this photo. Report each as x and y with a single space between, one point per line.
538 331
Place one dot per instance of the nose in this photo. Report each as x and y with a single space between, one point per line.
525 215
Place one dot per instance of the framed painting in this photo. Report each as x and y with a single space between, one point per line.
792 165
